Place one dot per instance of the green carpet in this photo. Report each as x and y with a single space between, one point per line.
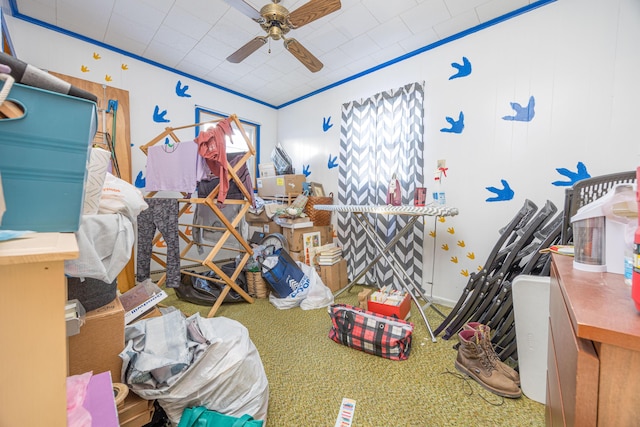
309 374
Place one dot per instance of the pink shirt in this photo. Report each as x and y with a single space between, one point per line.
175 168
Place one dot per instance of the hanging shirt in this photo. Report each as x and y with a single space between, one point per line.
212 145
175 168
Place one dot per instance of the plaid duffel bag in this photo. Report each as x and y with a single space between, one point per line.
370 332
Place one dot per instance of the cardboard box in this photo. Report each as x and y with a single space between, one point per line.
297 256
135 411
400 311
267 169
280 185
268 228
334 276
294 236
100 341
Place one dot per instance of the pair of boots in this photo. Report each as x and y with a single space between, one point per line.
477 359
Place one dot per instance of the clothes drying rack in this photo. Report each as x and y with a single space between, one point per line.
230 224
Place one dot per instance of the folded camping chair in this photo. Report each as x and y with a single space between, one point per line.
549 236
507 234
493 283
505 337
499 307
537 264
536 260
531 258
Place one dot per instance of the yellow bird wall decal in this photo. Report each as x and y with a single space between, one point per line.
107 77
471 255
124 67
465 273
96 55
461 243
454 259
445 247
84 69
441 219
451 230
432 233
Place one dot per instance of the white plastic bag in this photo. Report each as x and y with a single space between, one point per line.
319 295
225 373
104 243
315 295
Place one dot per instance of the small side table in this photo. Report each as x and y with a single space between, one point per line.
33 380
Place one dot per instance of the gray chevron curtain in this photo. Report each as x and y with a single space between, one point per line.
379 137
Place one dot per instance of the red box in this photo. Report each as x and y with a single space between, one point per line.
400 311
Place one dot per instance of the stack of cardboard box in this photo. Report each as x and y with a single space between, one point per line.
97 347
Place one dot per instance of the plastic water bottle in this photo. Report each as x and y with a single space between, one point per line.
628 266
635 279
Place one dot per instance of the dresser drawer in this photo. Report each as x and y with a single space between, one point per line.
554 412
577 365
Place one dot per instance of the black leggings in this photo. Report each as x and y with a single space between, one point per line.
163 214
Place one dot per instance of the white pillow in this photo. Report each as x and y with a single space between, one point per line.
99 161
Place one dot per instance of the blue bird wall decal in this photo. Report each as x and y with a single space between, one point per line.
523 114
326 125
158 116
580 173
182 90
502 194
305 170
141 181
332 162
464 69
456 126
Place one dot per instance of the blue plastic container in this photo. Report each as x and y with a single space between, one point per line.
43 160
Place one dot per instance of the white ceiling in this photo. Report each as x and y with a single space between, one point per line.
194 37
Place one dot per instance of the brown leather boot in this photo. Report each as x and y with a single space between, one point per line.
472 360
485 332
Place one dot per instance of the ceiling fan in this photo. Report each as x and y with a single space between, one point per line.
277 21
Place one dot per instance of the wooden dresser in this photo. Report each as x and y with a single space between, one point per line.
593 370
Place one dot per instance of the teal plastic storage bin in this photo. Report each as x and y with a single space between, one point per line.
43 160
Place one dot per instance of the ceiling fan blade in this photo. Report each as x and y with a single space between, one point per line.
303 55
311 11
246 9
246 50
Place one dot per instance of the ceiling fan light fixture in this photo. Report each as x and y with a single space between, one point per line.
275 32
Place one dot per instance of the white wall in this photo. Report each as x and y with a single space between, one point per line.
576 57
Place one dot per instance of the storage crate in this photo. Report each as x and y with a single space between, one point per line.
43 160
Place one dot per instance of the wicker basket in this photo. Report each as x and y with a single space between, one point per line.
318 217
256 285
